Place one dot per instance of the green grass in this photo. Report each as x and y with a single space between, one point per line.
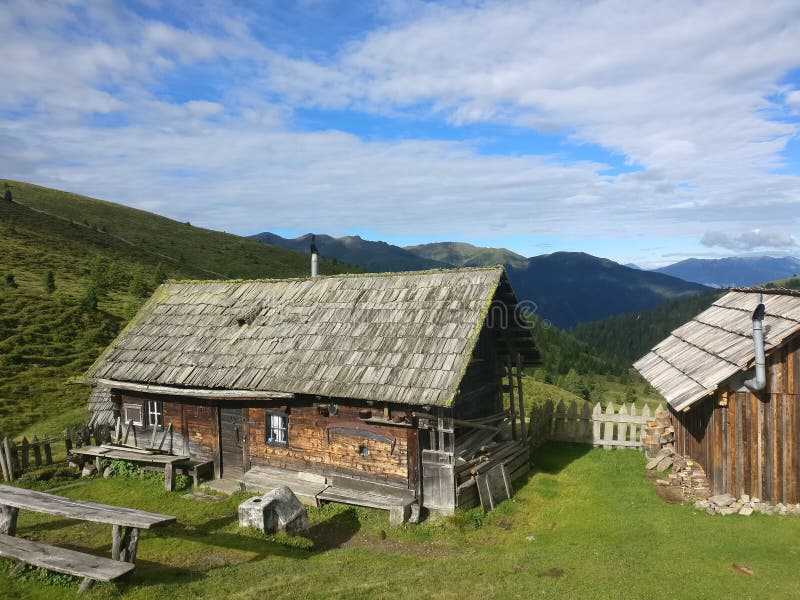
586 524
48 339
605 389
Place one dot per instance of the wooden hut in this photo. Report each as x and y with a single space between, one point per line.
747 442
357 388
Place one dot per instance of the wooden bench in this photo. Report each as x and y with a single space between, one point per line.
125 525
197 469
61 560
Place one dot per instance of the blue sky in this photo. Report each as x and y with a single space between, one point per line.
645 132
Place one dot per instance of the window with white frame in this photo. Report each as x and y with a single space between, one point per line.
133 412
155 414
277 430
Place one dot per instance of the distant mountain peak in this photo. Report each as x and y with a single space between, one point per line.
734 270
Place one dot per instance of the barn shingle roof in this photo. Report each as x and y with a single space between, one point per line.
403 337
707 350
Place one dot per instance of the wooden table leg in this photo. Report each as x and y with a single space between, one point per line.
116 541
85 585
8 519
169 477
124 543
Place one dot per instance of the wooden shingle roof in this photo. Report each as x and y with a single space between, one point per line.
699 355
404 337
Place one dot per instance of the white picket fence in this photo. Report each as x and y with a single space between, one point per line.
610 428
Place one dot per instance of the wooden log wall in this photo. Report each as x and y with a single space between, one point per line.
312 448
748 443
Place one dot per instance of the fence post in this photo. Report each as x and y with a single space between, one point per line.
37 452
48 451
585 424
572 420
14 458
622 427
608 428
3 464
596 413
25 449
633 435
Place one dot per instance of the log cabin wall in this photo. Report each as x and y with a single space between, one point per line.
748 443
341 444
195 424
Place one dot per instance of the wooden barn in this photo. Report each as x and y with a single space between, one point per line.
739 420
353 388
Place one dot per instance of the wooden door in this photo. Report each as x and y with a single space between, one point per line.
231 434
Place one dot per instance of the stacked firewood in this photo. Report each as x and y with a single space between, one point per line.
658 434
487 456
686 473
481 449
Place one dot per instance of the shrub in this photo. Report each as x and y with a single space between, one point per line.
49 282
122 468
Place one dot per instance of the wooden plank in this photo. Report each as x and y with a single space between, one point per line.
8 459
62 560
596 411
768 454
494 486
75 509
758 455
622 427
608 427
739 443
3 465
511 403
8 519
520 397
784 444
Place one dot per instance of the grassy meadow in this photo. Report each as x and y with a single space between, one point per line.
585 524
49 337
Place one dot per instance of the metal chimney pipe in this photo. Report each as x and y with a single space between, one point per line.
314 256
759 382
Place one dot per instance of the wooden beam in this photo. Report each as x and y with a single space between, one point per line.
511 403
193 392
456 422
520 396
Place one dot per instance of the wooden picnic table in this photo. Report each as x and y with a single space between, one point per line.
125 522
167 461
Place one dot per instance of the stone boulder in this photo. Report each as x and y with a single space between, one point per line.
278 510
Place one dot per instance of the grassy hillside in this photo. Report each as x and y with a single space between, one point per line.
48 337
374 257
213 254
791 283
460 254
627 337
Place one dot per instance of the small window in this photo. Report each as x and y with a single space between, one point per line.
155 414
277 431
133 412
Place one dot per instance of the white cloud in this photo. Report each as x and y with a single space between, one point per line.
749 240
680 90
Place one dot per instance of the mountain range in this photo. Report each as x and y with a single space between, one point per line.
566 288
734 271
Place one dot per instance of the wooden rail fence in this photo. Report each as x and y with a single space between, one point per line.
18 457
610 428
